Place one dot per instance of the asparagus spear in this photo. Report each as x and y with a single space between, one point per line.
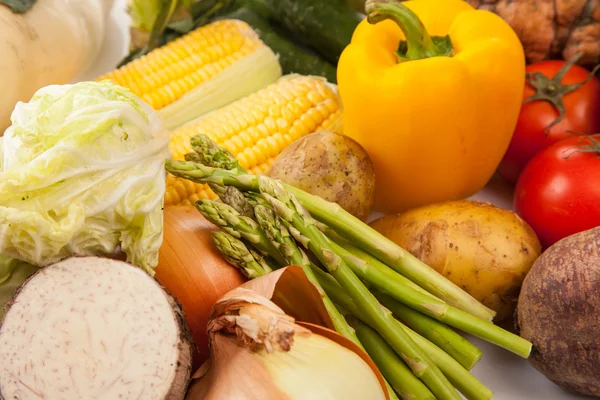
389 283
238 226
237 254
209 153
459 348
288 209
366 257
349 227
280 237
391 365
462 379
236 199
451 342
252 265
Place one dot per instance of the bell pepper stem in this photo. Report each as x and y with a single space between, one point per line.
418 44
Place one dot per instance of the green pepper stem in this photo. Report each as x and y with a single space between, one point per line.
418 44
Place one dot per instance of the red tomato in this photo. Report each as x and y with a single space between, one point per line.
558 193
582 115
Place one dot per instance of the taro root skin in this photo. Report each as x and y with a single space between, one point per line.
559 312
93 328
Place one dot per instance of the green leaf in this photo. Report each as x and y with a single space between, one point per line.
19 6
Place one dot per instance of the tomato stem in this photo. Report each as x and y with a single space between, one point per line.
552 90
593 147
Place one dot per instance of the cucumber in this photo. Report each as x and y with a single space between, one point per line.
358 5
325 25
293 59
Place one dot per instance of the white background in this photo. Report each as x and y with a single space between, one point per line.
507 375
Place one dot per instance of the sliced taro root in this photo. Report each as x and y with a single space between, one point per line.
93 328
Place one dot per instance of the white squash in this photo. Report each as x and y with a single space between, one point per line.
52 43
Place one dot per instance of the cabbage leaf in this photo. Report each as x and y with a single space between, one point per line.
82 172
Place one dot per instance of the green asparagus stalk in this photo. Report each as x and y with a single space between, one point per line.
236 199
359 233
209 153
461 378
349 227
280 237
305 232
421 302
466 353
390 283
451 342
252 265
238 226
391 365
366 257
459 348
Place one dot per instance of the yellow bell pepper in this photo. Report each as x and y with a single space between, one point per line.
432 90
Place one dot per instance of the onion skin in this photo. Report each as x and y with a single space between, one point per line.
192 270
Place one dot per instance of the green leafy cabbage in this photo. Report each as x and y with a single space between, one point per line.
82 173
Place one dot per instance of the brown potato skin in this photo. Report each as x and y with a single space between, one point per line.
331 166
559 312
484 249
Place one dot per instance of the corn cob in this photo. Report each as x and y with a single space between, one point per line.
257 128
201 71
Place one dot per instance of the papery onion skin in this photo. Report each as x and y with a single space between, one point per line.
192 270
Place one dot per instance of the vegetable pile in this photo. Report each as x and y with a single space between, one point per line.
193 224
355 269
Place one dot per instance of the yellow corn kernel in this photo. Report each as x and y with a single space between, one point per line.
257 128
204 70
167 73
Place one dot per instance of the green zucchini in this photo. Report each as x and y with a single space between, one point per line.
358 5
325 25
293 59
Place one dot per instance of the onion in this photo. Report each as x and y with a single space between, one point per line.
191 269
260 353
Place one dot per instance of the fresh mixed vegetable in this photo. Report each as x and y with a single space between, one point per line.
193 224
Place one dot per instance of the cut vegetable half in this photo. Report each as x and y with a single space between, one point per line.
93 328
206 69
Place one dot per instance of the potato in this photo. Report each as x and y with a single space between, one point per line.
484 249
331 166
559 312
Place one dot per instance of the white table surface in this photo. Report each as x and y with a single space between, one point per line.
507 375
